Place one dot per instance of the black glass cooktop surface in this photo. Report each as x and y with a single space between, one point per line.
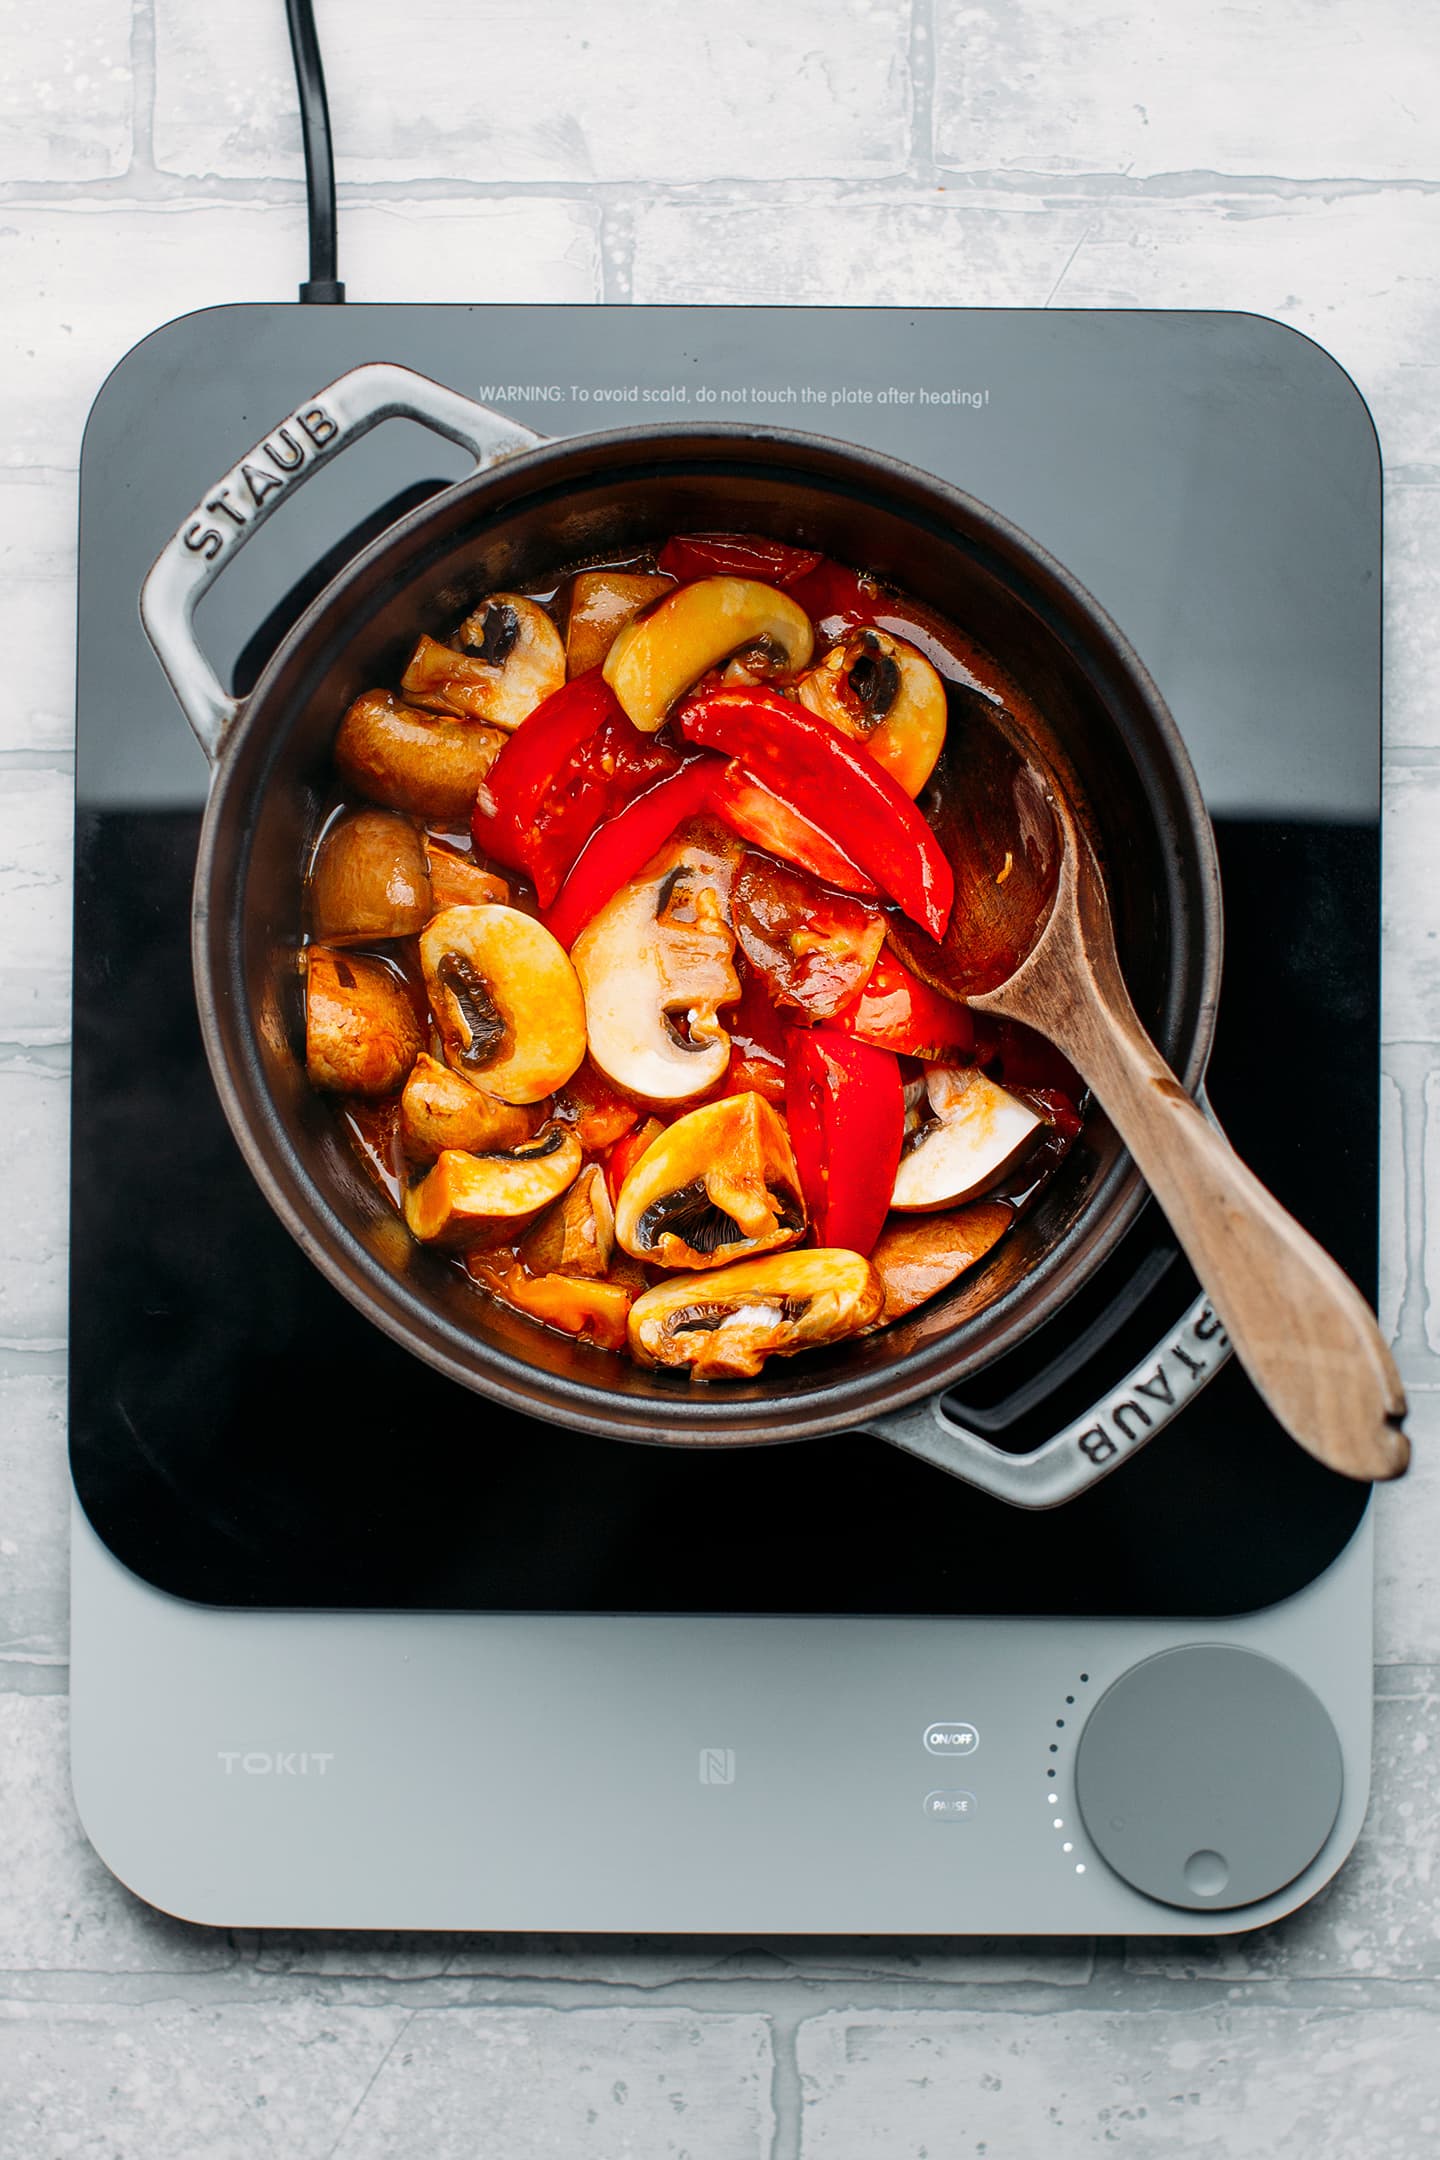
240 1435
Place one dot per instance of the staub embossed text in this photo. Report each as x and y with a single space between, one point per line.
286 451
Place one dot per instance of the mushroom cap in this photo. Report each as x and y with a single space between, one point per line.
725 1325
506 1000
361 1032
412 760
504 660
718 1183
369 880
440 1109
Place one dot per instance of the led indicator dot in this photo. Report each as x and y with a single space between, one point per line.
1069 1698
1084 1676
1053 1749
1049 1773
1060 1724
1079 1867
1058 1824
1067 1846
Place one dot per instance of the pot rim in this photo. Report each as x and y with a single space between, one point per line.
713 1419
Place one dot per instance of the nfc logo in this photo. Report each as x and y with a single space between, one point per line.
717 1766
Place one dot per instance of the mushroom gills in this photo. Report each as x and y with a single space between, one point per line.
506 1000
718 1183
974 1131
724 1326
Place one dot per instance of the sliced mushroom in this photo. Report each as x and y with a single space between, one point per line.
411 760
504 660
467 1195
601 603
505 999
916 1258
439 1109
369 880
721 1181
879 687
656 658
974 1130
596 1311
577 1235
361 1033
724 1326
455 881
656 964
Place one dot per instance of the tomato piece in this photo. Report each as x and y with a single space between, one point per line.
574 762
1022 1059
757 1041
627 1152
599 1114
761 817
896 1011
838 786
814 949
625 845
845 1109
748 555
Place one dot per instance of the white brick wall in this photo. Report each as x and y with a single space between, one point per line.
1276 155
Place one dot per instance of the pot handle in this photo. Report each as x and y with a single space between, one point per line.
1092 1445
240 502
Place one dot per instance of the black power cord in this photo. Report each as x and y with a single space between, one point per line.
322 283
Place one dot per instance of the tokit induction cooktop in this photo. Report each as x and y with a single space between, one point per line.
356 1647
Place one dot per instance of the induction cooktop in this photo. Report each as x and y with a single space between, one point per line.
356 1647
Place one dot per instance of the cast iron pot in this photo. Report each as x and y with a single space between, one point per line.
534 507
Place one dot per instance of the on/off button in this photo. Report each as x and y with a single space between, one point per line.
953 1738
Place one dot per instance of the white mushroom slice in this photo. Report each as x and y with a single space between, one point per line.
655 659
882 689
724 1326
505 999
974 1131
656 964
504 660
718 1183
361 1033
577 1235
467 1196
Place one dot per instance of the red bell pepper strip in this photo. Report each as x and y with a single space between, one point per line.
837 785
747 555
896 1011
845 1109
626 843
573 762
836 598
760 817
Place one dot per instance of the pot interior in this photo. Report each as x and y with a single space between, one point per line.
604 499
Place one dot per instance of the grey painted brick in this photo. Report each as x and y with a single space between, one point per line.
160 2081
33 1128
1412 617
60 1908
1215 2081
1297 87
70 319
551 91
1380 1918
65 91
35 885
34 1513
1407 1545
1411 982
667 1962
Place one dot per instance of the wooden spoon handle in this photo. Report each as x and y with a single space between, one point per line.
1300 1328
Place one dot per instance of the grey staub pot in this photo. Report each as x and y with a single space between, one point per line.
530 508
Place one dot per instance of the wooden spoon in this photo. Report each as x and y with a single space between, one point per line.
1035 943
